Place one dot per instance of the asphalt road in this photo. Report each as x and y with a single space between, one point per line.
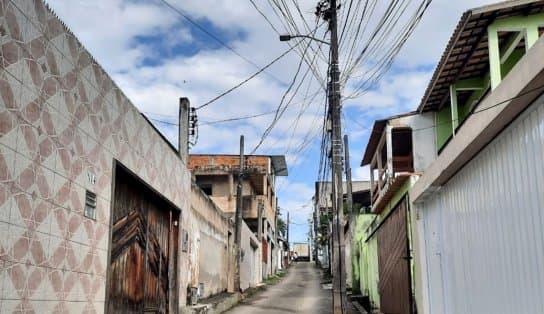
299 292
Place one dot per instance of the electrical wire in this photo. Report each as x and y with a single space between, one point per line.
475 111
237 118
291 28
280 110
214 37
249 78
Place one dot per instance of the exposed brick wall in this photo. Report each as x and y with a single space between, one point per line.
62 119
227 161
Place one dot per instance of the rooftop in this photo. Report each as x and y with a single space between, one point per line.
466 55
277 162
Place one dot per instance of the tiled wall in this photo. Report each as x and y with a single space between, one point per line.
63 120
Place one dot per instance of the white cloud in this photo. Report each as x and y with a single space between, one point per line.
361 174
113 31
428 42
405 88
113 42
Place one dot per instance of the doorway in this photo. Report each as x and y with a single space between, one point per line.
143 249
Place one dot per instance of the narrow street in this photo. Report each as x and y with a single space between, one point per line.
168 156
299 292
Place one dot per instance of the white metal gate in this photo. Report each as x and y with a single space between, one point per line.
484 229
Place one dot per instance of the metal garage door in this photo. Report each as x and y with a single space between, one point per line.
484 229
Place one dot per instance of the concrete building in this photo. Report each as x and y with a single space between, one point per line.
322 216
86 182
217 176
399 148
477 220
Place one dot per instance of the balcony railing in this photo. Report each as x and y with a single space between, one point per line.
387 170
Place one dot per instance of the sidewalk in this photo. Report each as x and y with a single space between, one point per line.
225 301
216 304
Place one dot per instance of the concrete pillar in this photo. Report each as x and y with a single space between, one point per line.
454 109
531 36
494 57
389 149
183 136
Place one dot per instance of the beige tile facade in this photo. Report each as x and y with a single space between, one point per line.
63 122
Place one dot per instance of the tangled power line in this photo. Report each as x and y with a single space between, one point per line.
372 34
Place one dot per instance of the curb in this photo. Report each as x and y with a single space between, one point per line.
213 308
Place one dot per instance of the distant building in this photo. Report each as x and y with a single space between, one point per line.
322 215
217 176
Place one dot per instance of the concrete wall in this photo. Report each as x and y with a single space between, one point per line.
206 263
63 122
365 258
423 138
220 184
347 258
250 266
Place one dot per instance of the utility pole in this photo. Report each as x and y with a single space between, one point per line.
288 245
311 239
338 270
349 186
276 231
238 222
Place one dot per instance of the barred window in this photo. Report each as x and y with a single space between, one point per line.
90 205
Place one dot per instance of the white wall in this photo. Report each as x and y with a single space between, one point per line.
483 234
251 261
423 138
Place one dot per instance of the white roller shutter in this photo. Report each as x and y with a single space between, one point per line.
484 229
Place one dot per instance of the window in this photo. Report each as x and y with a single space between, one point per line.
185 242
90 205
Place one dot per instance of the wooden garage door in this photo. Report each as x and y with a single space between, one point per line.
394 263
143 249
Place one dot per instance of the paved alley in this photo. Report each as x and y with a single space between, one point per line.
299 292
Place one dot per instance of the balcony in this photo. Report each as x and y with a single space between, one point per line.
391 166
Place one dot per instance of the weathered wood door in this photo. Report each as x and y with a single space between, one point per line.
142 251
394 263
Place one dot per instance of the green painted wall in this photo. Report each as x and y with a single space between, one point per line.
365 253
443 117
370 272
365 259
443 126
509 63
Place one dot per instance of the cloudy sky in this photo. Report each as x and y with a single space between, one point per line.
156 56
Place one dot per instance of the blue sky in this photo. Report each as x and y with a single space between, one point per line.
156 56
